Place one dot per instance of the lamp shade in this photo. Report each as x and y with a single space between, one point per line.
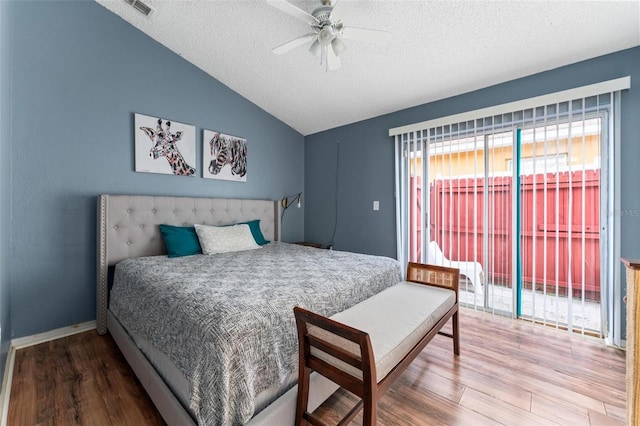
315 49
325 36
338 46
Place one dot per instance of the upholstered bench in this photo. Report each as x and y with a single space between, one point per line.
366 347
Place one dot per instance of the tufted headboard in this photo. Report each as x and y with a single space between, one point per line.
128 227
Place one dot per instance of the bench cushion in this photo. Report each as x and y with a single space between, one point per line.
395 319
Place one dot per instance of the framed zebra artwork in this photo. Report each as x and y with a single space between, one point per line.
224 156
164 146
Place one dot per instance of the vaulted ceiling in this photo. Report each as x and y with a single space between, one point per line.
437 49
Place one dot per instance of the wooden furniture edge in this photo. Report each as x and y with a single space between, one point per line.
632 374
366 388
631 263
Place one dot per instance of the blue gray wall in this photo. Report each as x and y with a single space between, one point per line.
5 179
80 72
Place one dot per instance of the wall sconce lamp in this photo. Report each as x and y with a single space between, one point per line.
288 200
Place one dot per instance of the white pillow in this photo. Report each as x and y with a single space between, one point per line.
225 239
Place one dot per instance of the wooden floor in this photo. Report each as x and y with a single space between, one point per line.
77 380
509 373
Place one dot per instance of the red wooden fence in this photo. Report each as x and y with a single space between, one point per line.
570 237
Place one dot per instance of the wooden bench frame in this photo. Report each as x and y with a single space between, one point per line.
367 388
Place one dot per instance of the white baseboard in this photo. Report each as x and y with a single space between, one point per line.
6 385
27 341
47 336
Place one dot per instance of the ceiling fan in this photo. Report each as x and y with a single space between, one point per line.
328 30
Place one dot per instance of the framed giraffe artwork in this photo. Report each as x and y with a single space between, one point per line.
164 146
223 156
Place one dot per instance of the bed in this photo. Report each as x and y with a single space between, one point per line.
212 338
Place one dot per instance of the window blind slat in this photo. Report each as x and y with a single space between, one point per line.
552 98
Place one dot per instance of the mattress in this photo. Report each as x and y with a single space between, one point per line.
224 323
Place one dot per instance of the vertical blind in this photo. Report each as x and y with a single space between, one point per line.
517 197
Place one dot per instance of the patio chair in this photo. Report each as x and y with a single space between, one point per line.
472 270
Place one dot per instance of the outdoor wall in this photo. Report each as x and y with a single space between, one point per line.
585 154
79 74
367 157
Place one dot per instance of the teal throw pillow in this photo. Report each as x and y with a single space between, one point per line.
254 225
180 240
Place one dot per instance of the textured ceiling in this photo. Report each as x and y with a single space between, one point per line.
438 49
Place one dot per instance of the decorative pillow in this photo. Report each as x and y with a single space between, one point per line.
254 225
225 239
180 240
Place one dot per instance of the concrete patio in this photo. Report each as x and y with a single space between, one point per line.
555 311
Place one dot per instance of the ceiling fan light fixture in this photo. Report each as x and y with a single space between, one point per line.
325 36
315 49
338 46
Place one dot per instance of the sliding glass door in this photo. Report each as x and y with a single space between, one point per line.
514 202
560 190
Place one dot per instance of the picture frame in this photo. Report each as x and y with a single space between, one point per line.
224 156
164 146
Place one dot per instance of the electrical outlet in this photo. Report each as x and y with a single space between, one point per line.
376 205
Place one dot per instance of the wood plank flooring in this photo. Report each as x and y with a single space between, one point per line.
509 372
77 380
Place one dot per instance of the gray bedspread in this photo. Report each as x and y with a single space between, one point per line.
226 320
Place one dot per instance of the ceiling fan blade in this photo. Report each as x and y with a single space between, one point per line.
333 62
292 10
341 9
365 34
290 45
